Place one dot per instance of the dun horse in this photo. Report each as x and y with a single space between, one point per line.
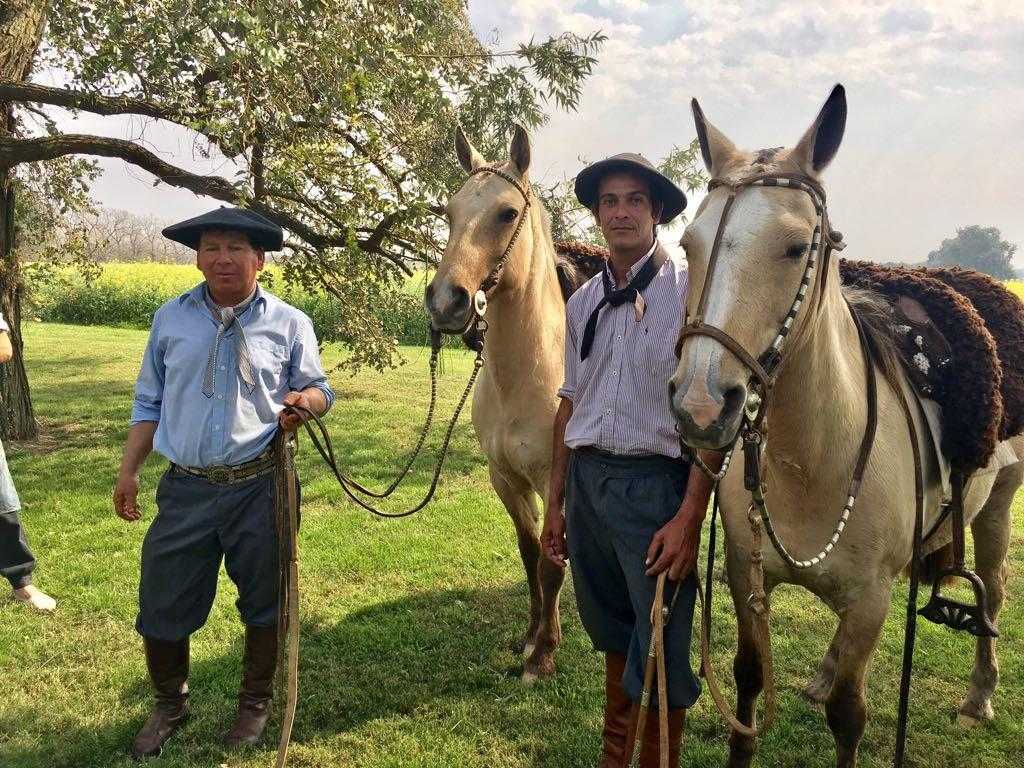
515 398
816 414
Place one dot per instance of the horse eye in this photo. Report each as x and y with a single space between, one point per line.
508 215
796 251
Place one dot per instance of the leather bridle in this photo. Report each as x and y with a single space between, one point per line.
764 367
475 329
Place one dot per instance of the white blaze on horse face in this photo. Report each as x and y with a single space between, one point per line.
751 289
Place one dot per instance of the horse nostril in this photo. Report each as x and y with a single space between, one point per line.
734 398
460 299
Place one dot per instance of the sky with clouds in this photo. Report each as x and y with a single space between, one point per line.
935 92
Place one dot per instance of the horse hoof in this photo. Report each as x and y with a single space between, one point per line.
537 669
966 721
816 691
971 715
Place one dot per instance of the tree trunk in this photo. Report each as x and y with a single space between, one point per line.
21 28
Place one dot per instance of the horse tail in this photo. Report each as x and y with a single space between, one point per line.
934 563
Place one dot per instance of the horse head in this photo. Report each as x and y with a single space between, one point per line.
488 217
749 249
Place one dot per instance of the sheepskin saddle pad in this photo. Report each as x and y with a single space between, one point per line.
960 335
576 262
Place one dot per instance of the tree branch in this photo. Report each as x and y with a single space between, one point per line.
87 102
16 151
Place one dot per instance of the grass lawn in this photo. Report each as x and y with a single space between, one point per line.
406 625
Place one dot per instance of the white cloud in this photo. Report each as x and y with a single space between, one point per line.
931 88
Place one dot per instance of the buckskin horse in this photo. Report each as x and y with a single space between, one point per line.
500 246
760 238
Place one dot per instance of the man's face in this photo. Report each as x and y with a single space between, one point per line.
625 211
229 263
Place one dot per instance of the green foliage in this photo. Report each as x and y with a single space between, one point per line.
50 203
981 248
338 115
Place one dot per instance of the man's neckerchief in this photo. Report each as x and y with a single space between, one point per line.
618 297
228 316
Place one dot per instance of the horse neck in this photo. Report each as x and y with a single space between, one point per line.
526 316
818 407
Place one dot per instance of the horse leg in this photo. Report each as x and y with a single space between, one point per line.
541 660
818 687
860 626
991 533
516 497
746 667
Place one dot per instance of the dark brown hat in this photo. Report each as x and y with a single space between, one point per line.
673 199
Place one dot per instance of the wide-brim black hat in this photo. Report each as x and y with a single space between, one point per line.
262 232
673 199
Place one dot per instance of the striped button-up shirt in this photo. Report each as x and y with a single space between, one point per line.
620 392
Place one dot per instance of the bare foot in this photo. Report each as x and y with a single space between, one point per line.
33 597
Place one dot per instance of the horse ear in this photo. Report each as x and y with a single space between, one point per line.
469 158
519 151
714 145
820 143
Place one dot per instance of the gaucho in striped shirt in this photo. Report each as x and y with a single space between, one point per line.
631 507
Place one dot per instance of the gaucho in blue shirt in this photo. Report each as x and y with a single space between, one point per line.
222 362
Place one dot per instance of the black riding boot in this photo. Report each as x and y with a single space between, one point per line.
168 670
258 667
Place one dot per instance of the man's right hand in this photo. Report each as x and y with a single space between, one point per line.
552 538
126 494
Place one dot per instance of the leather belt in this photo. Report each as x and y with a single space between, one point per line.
223 474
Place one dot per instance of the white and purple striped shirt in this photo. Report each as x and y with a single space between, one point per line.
619 393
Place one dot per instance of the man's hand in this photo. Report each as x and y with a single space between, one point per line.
126 494
292 420
674 547
552 538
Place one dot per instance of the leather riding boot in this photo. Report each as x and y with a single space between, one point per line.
168 670
650 750
258 666
617 707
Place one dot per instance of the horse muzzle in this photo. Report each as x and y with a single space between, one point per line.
450 307
708 422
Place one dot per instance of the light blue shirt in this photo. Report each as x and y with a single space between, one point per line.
233 426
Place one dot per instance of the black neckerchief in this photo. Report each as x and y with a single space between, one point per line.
617 297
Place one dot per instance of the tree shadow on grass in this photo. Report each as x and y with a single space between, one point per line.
422 661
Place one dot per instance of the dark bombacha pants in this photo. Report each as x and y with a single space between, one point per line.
613 507
198 523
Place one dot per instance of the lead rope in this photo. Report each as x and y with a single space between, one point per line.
910 627
286 511
325 447
660 614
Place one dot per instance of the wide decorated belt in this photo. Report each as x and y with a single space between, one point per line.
224 474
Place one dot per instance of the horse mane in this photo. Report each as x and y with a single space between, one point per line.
875 315
576 262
